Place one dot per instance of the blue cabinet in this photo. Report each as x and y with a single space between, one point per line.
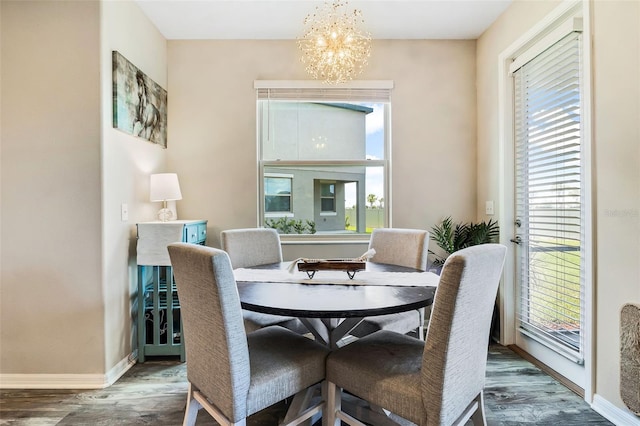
159 323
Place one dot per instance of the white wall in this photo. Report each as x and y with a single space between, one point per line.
212 128
616 152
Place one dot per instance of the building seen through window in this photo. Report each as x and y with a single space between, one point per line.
321 162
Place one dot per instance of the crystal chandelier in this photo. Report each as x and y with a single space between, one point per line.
333 48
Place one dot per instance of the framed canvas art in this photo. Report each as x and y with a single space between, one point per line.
139 103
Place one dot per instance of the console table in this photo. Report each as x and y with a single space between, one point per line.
159 324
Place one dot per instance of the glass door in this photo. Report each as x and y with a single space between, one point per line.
549 208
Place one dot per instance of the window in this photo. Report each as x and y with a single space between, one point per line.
327 197
330 146
277 193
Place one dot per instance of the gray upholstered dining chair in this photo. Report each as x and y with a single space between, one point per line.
402 247
231 374
439 381
249 247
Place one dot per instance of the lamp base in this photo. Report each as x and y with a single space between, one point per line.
165 215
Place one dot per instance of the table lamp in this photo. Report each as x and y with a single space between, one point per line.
165 187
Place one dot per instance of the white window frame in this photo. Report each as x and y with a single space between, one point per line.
320 90
269 215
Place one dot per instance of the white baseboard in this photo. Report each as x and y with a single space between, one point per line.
66 381
616 415
120 368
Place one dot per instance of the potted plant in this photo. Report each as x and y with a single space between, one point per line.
451 237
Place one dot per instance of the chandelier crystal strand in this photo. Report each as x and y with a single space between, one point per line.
333 48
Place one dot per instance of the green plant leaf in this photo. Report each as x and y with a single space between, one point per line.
452 237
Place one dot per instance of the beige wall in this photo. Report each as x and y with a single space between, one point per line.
65 171
515 21
616 156
212 128
68 261
127 162
616 108
76 289
51 313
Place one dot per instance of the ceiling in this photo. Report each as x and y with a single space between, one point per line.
283 19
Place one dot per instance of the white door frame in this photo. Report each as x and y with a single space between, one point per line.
507 299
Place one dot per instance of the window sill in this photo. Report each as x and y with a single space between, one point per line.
321 239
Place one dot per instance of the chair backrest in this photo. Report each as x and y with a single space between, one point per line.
403 247
215 340
249 247
455 353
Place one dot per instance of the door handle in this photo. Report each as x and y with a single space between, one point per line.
516 240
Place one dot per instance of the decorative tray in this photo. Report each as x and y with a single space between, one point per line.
351 266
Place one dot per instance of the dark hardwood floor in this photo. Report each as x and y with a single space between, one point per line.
154 393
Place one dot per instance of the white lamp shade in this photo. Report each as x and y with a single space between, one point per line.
164 186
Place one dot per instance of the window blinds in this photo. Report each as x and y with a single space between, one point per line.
549 196
361 91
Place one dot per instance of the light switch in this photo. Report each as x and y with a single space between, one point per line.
124 212
488 207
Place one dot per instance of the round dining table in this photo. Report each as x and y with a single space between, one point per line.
332 310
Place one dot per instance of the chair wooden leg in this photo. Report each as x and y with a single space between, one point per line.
478 418
333 401
197 401
193 406
301 412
